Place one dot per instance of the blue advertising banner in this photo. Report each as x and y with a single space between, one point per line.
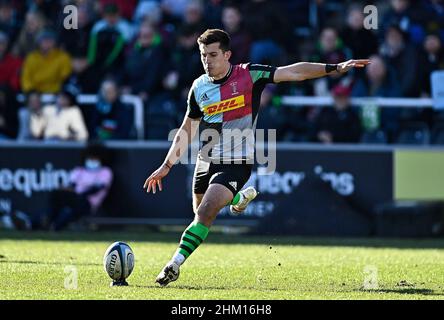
313 190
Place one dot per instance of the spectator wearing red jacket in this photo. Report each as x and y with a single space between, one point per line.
9 66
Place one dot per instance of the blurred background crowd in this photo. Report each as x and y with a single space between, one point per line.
148 48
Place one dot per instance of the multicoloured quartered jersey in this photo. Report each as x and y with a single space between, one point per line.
228 110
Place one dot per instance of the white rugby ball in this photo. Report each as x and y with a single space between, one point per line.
118 261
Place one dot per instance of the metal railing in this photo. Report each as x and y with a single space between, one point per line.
299 101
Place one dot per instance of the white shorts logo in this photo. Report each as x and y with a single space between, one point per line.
233 184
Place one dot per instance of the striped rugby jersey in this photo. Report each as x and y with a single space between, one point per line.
230 107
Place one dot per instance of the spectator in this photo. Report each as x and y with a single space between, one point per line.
186 65
362 42
88 187
412 17
33 109
340 124
267 23
62 121
126 7
149 12
9 66
145 64
194 16
46 69
27 39
330 50
403 57
380 81
83 78
8 114
432 58
107 42
8 20
50 9
240 39
76 41
111 119
399 14
173 10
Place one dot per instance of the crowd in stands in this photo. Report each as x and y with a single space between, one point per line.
148 48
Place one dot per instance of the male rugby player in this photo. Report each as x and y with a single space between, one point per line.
222 100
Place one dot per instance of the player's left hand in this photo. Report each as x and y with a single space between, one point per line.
347 65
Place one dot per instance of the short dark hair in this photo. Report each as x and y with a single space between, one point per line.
216 35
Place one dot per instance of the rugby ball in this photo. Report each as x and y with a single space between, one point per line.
118 261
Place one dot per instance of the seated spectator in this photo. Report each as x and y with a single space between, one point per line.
9 66
8 113
27 38
9 23
432 58
403 57
45 69
330 50
194 16
111 119
89 184
145 64
83 78
107 42
76 41
62 121
240 39
126 7
380 81
340 124
362 42
32 109
267 23
186 66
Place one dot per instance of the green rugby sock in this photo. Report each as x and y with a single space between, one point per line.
192 237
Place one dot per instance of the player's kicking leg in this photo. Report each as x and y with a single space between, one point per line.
215 198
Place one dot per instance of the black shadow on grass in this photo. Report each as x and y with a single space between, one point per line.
199 288
218 238
425 292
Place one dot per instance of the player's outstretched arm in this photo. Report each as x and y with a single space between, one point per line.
181 140
309 70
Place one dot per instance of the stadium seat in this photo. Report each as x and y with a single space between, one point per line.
414 133
374 137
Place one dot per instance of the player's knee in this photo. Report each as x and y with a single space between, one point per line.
206 211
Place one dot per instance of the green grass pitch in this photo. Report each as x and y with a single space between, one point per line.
32 266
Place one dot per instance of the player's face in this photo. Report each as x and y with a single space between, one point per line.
214 60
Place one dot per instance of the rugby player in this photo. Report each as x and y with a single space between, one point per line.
224 99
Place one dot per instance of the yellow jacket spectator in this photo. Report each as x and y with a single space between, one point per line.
45 69
62 121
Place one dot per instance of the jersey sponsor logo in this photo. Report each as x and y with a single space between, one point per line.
225 105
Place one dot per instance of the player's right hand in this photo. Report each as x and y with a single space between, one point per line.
156 179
